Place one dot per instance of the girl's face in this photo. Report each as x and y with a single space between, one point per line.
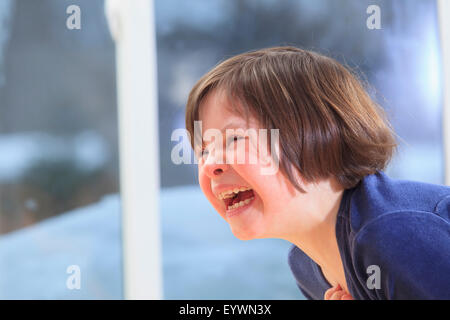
267 207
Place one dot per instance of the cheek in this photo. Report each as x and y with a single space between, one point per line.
205 186
273 190
255 168
243 155
204 182
250 173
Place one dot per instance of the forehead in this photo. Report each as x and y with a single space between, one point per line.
216 111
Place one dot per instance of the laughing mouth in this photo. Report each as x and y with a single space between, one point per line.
239 199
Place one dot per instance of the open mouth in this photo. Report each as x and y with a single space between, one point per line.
239 199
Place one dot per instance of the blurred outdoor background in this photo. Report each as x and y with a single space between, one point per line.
59 158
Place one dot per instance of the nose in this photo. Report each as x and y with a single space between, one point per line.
214 169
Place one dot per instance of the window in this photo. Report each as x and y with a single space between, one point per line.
67 224
59 177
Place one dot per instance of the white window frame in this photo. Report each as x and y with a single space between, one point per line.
133 29
444 29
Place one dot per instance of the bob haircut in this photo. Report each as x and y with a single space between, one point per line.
328 124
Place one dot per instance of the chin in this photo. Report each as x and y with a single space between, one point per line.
243 237
245 234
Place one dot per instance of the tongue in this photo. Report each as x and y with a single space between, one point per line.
241 196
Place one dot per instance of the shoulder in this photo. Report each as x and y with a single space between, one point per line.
378 194
389 231
410 249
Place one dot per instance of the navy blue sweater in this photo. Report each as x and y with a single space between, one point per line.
394 241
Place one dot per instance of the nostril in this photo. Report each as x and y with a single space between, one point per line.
217 171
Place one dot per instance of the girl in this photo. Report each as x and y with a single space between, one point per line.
356 232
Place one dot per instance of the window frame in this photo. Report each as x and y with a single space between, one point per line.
444 30
132 26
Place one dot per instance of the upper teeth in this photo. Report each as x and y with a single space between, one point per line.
230 193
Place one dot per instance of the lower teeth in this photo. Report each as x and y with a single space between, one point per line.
241 203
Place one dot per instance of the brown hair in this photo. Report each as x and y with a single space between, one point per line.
328 124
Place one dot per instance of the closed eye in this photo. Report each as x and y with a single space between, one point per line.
233 139
202 152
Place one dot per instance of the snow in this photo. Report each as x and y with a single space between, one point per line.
22 150
201 257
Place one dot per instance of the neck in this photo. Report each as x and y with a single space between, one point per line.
314 232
